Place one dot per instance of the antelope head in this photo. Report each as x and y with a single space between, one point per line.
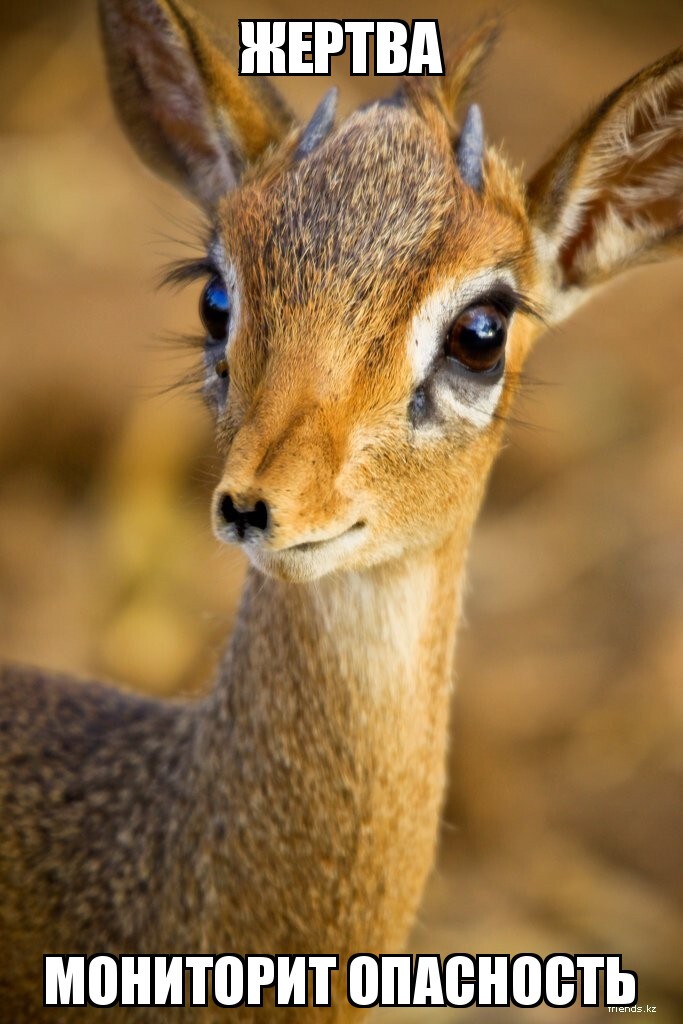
374 286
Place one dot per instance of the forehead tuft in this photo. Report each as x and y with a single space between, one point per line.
375 196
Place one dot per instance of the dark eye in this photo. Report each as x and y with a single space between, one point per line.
477 338
214 309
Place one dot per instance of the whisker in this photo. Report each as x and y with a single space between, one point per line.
194 223
515 421
177 342
191 382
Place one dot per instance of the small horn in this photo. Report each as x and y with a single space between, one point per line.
470 151
320 124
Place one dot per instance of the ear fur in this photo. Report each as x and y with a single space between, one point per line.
187 112
612 196
464 64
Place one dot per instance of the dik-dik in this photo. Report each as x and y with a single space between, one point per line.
372 290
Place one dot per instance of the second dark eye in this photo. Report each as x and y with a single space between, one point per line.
477 338
214 309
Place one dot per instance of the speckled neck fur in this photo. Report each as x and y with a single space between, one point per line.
289 811
332 768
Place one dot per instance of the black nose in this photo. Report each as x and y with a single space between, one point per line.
244 519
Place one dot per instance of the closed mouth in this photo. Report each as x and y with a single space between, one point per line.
312 545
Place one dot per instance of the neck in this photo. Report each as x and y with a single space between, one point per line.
327 735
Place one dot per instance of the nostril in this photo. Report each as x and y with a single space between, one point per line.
242 519
228 510
258 517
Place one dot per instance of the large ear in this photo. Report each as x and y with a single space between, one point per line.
612 196
184 107
463 63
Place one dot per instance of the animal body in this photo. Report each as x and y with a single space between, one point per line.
373 289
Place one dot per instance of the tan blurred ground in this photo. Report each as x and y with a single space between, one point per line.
564 823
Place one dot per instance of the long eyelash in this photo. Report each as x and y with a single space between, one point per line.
527 307
183 271
510 301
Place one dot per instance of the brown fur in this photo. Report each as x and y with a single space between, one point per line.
295 808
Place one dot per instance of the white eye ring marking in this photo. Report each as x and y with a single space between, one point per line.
473 402
468 398
228 272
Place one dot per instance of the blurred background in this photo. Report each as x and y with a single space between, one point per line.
563 828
